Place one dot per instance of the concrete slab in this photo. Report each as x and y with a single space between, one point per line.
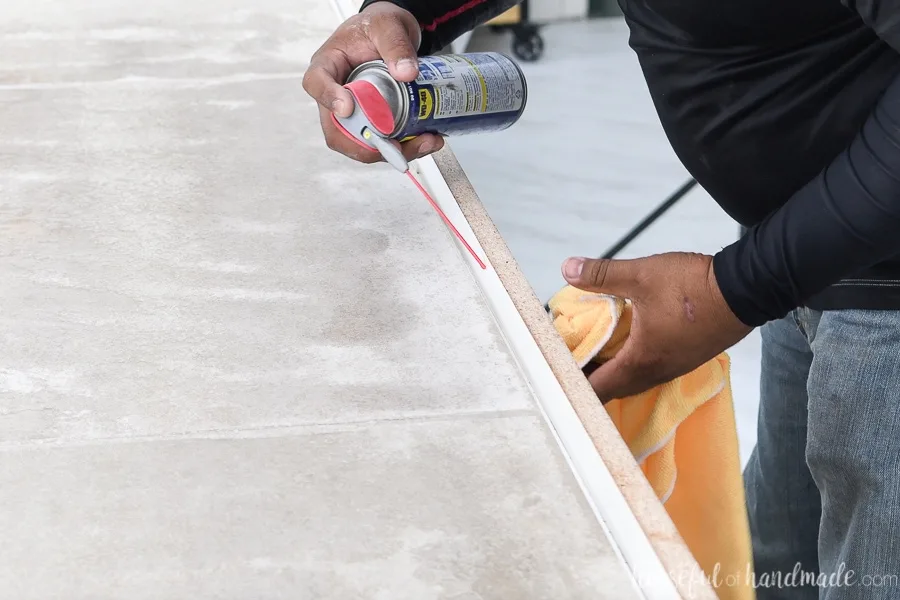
182 254
234 364
460 508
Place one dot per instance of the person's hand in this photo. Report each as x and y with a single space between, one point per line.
679 318
382 31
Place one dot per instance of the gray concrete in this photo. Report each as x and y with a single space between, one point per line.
232 363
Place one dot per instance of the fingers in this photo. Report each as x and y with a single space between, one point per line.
418 147
337 141
326 69
643 362
611 379
396 36
630 372
384 30
394 45
422 145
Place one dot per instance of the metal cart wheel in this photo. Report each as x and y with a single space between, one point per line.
528 45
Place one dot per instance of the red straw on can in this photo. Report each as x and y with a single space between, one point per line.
446 220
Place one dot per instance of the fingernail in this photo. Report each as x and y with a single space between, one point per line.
337 107
572 268
426 147
406 64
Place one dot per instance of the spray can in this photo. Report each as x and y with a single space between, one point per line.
454 94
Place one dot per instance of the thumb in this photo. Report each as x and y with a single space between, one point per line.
392 37
601 275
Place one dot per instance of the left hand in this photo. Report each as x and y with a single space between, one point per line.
679 318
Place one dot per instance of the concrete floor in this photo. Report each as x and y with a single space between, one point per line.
234 364
586 162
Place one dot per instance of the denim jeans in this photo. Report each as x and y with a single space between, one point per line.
823 483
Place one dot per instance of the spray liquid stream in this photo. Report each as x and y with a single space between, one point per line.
446 220
395 158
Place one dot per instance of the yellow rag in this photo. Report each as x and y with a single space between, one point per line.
696 473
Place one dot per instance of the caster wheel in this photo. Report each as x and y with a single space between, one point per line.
528 45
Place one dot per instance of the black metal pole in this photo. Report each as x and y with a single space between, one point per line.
647 221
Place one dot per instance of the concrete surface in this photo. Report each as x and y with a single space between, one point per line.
234 364
604 164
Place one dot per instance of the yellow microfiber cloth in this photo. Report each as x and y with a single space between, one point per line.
682 434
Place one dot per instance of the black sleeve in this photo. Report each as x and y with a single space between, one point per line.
442 21
846 219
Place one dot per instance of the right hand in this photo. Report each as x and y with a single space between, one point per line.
382 31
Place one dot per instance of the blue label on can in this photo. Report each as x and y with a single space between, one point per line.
460 94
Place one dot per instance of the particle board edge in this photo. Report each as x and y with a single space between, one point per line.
680 565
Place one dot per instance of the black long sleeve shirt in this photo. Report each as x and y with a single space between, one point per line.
788 113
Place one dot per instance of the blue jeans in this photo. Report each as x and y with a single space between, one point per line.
823 483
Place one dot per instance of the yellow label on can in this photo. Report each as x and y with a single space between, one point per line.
426 103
